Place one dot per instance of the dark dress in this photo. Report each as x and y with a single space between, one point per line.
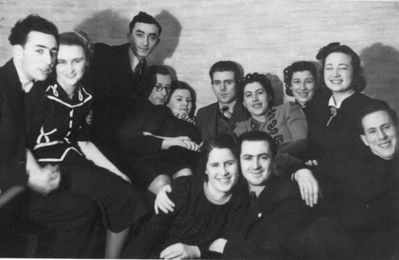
194 221
53 136
270 226
143 154
67 223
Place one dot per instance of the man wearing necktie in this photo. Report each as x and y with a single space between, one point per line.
220 117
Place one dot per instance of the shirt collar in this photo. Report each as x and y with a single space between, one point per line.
333 103
25 83
231 106
134 60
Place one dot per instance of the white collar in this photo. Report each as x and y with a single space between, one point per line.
231 106
25 83
333 103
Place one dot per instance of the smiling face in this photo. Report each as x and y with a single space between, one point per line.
224 86
160 92
380 134
338 72
302 86
222 171
256 100
71 65
180 102
256 162
143 39
37 56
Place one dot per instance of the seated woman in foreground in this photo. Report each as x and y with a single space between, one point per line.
206 205
161 143
286 123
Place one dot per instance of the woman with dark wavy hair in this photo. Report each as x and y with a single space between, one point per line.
286 123
300 80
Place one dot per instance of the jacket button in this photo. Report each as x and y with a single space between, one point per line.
259 215
367 206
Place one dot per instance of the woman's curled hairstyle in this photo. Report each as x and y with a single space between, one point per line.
255 77
220 141
358 80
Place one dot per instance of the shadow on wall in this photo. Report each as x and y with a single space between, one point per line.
171 30
278 89
381 63
106 26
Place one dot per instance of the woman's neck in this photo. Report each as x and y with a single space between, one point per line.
69 89
259 118
214 196
339 97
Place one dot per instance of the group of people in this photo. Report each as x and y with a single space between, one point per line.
102 156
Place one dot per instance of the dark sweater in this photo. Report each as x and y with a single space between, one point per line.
194 221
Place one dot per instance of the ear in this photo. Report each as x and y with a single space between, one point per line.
128 36
17 51
363 137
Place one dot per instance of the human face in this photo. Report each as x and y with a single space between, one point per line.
302 86
256 163
71 65
338 72
180 102
37 56
161 90
256 100
224 86
380 134
222 171
143 39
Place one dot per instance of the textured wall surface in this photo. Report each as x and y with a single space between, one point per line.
263 36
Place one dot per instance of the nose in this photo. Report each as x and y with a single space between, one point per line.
255 164
185 103
336 72
255 98
146 41
222 86
303 86
48 58
381 134
70 68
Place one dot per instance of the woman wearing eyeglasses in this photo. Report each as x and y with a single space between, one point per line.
160 143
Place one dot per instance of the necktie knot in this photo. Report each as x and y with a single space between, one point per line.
226 112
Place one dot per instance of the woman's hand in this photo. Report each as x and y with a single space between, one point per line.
182 141
162 201
180 251
311 163
308 186
218 245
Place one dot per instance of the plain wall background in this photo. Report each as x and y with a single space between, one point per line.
263 36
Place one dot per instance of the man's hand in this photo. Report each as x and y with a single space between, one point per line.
162 201
45 179
180 251
218 245
308 186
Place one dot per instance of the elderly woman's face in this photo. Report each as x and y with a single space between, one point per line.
180 102
256 99
160 92
302 86
338 72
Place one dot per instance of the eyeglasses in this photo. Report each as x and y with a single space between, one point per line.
160 87
224 83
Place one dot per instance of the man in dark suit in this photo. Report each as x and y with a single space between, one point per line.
28 193
221 117
276 212
115 74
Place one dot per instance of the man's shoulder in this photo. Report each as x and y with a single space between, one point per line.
283 188
203 111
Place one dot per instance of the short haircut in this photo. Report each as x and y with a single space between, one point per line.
258 136
225 65
220 141
375 106
78 38
183 85
143 17
19 33
255 77
295 67
150 78
358 81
